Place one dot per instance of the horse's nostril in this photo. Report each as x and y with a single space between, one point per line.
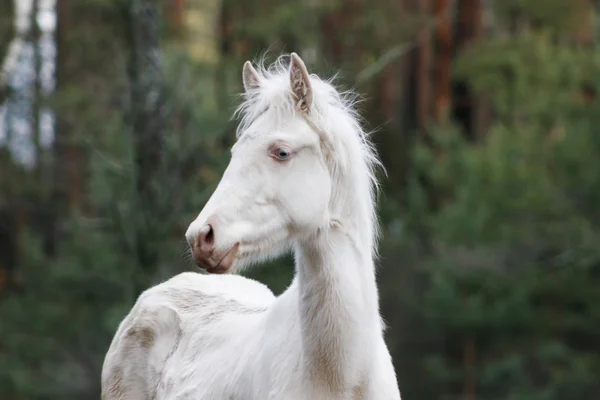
206 239
209 237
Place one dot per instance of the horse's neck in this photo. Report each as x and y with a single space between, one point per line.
338 306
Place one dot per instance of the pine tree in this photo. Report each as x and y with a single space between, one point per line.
512 261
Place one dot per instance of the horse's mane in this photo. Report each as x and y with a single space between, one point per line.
333 112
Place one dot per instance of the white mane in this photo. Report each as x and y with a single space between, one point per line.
353 156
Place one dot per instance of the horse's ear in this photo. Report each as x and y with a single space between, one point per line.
250 77
300 83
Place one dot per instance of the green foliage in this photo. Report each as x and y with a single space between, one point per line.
513 264
58 331
556 16
489 268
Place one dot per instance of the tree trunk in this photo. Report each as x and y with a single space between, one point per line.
443 86
177 16
7 36
585 14
424 87
37 93
147 125
473 111
470 361
58 205
8 247
147 95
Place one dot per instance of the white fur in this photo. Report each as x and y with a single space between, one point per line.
227 337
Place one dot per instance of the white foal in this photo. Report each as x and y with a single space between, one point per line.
300 177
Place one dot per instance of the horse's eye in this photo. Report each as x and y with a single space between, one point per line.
282 154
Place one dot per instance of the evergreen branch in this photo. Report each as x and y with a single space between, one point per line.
389 57
399 51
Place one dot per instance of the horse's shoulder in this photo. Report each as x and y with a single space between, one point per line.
186 304
165 307
194 292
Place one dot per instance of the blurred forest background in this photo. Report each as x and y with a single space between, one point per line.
115 128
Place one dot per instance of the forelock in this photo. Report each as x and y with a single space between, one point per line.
274 93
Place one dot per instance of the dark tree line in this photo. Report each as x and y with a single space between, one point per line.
484 113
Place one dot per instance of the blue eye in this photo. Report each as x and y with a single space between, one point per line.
282 154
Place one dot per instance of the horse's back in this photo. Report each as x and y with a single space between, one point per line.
167 316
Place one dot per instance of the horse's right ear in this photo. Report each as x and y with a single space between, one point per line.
300 83
250 77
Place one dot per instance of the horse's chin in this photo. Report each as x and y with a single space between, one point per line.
219 262
259 252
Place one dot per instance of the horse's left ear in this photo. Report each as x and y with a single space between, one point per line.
300 83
